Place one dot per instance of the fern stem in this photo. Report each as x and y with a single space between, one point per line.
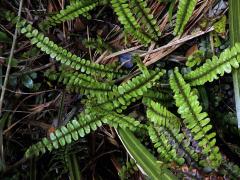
234 8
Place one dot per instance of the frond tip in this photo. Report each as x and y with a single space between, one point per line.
185 10
210 70
82 125
71 12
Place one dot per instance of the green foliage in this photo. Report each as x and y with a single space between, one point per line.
83 124
71 12
81 83
164 132
161 116
195 59
60 54
161 139
96 43
125 13
130 91
210 70
195 120
185 10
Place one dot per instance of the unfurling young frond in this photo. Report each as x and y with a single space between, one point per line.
196 121
209 71
185 10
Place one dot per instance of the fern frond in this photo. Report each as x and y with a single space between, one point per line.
146 19
119 120
81 83
165 128
130 91
166 149
216 66
82 125
159 115
71 12
127 19
196 121
185 10
145 160
61 54
161 97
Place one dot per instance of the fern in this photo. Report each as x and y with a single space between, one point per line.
165 128
154 94
71 12
131 25
81 83
130 91
161 140
195 120
145 17
62 55
160 115
83 124
185 10
211 68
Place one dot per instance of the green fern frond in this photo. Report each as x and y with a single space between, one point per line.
166 149
71 12
81 83
159 115
62 55
195 120
155 95
185 10
216 66
82 125
143 14
165 128
127 19
119 120
130 91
